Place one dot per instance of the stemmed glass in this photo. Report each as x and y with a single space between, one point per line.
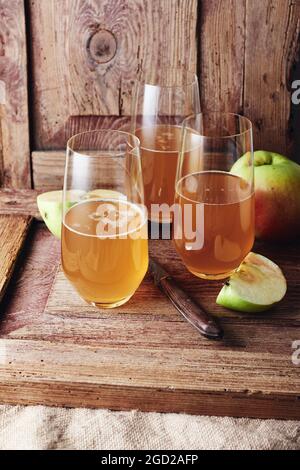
214 225
162 99
104 231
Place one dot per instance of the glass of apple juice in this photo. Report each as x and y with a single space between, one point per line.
214 194
162 99
104 244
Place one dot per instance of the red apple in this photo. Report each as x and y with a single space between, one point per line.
277 194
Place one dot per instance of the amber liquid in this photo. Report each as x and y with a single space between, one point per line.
226 229
105 250
159 152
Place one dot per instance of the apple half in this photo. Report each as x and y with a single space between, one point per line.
50 204
256 286
50 207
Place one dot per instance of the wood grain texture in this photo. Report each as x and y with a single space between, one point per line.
13 231
48 169
19 202
246 60
246 56
32 280
221 54
271 51
32 372
14 127
92 73
143 355
48 166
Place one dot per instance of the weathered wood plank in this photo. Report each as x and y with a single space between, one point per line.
154 324
13 231
48 166
20 201
151 368
221 50
144 399
14 127
246 56
48 169
30 285
76 124
108 43
33 372
271 50
150 301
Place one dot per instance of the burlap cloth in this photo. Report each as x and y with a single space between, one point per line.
40 427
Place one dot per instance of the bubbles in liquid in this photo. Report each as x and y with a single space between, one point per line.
164 140
213 187
108 218
192 184
115 218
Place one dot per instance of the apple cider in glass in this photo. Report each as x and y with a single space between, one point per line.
226 225
162 98
105 250
214 231
159 153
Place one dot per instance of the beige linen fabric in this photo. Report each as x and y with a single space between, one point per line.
39 427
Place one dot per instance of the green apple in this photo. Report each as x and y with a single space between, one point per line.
256 286
277 194
50 207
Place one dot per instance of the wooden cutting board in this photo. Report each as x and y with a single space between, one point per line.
57 350
13 231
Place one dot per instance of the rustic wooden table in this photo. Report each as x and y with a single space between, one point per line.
56 350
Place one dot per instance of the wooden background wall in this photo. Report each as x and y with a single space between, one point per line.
69 65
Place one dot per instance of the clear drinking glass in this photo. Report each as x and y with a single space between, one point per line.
104 232
214 227
162 99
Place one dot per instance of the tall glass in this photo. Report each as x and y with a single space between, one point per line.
214 227
162 99
104 233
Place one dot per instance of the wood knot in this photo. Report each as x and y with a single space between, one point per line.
102 46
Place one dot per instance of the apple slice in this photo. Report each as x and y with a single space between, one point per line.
50 207
256 286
